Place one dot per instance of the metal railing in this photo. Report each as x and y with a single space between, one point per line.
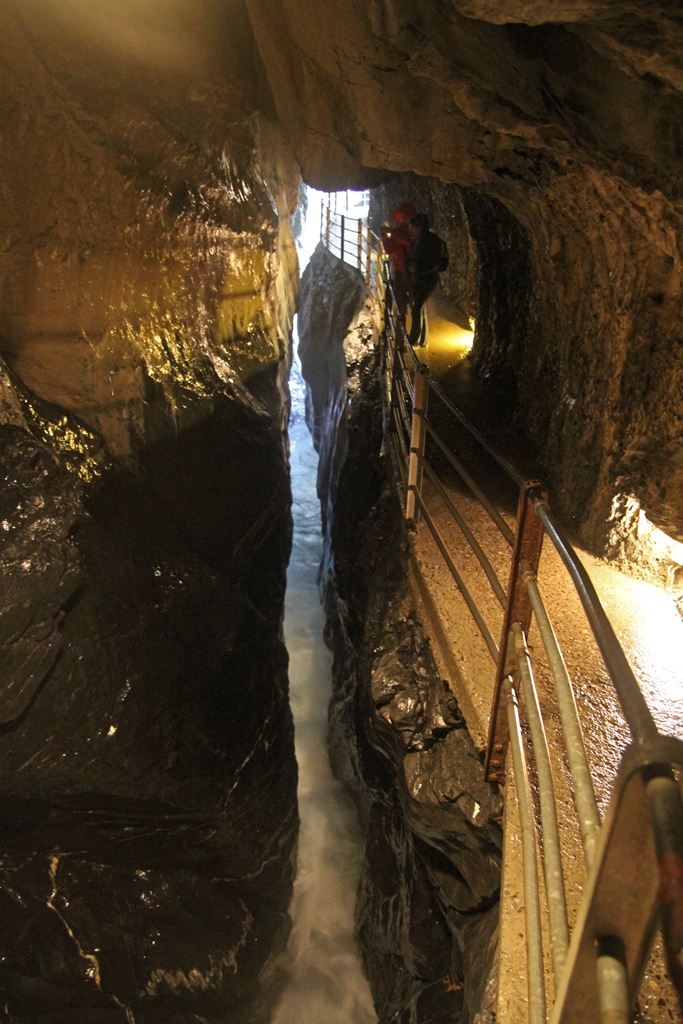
634 859
351 240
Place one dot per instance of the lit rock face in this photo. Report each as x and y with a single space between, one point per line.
147 286
563 123
428 897
139 230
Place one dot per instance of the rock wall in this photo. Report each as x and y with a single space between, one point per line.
148 281
428 899
562 124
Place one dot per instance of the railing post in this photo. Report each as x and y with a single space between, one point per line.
528 542
418 437
368 255
327 226
341 254
396 359
360 245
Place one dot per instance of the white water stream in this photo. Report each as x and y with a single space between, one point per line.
326 984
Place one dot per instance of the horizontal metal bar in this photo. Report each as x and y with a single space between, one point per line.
636 711
612 989
582 783
513 473
552 860
402 410
532 906
490 572
472 484
622 896
400 439
460 583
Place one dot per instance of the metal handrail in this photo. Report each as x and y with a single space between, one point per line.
602 962
462 586
636 711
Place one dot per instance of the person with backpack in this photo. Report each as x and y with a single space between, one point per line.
428 259
397 244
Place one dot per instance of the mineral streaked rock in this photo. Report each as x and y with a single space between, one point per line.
155 243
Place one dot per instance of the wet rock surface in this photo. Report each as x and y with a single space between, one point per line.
148 281
148 778
144 232
427 911
429 897
561 123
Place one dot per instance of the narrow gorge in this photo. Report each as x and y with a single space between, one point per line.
153 162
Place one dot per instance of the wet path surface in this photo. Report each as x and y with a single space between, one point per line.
643 614
645 619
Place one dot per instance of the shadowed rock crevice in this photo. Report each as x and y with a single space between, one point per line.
428 897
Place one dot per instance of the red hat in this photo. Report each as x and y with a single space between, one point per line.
404 212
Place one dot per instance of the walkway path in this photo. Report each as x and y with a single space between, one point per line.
645 619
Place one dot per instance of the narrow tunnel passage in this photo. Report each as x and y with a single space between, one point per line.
150 170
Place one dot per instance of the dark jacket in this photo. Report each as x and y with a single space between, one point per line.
426 252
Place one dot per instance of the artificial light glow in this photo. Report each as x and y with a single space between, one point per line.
446 336
634 538
654 646
648 612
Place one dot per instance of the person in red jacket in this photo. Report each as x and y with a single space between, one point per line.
397 242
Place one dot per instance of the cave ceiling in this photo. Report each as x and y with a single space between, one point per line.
475 92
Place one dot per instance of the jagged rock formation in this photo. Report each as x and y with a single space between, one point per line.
428 901
143 709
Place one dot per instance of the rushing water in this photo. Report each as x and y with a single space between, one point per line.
326 984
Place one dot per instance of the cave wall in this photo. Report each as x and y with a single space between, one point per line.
569 117
149 167
140 222
148 280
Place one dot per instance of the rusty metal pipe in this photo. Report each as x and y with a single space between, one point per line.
666 812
